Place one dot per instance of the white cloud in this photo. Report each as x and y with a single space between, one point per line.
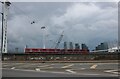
76 11
83 22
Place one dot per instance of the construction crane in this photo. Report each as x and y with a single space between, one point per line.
59 40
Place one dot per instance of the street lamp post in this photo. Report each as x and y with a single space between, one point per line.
43 28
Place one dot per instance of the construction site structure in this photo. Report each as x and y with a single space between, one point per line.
5 7
59 40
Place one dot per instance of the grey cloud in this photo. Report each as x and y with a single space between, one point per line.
89 23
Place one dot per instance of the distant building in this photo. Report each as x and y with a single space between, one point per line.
16 50
102 46
77 46
113 49
71 45
65 45
84 46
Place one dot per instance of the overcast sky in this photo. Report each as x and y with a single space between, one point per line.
82 22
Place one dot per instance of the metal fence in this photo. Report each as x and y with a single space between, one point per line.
59 57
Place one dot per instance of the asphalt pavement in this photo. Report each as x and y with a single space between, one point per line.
60 70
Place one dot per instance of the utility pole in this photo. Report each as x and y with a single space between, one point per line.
5 7
118 45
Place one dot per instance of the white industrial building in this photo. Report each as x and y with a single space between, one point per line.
113 49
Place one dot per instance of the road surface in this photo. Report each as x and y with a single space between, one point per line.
60 70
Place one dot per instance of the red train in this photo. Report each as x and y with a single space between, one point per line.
56 51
